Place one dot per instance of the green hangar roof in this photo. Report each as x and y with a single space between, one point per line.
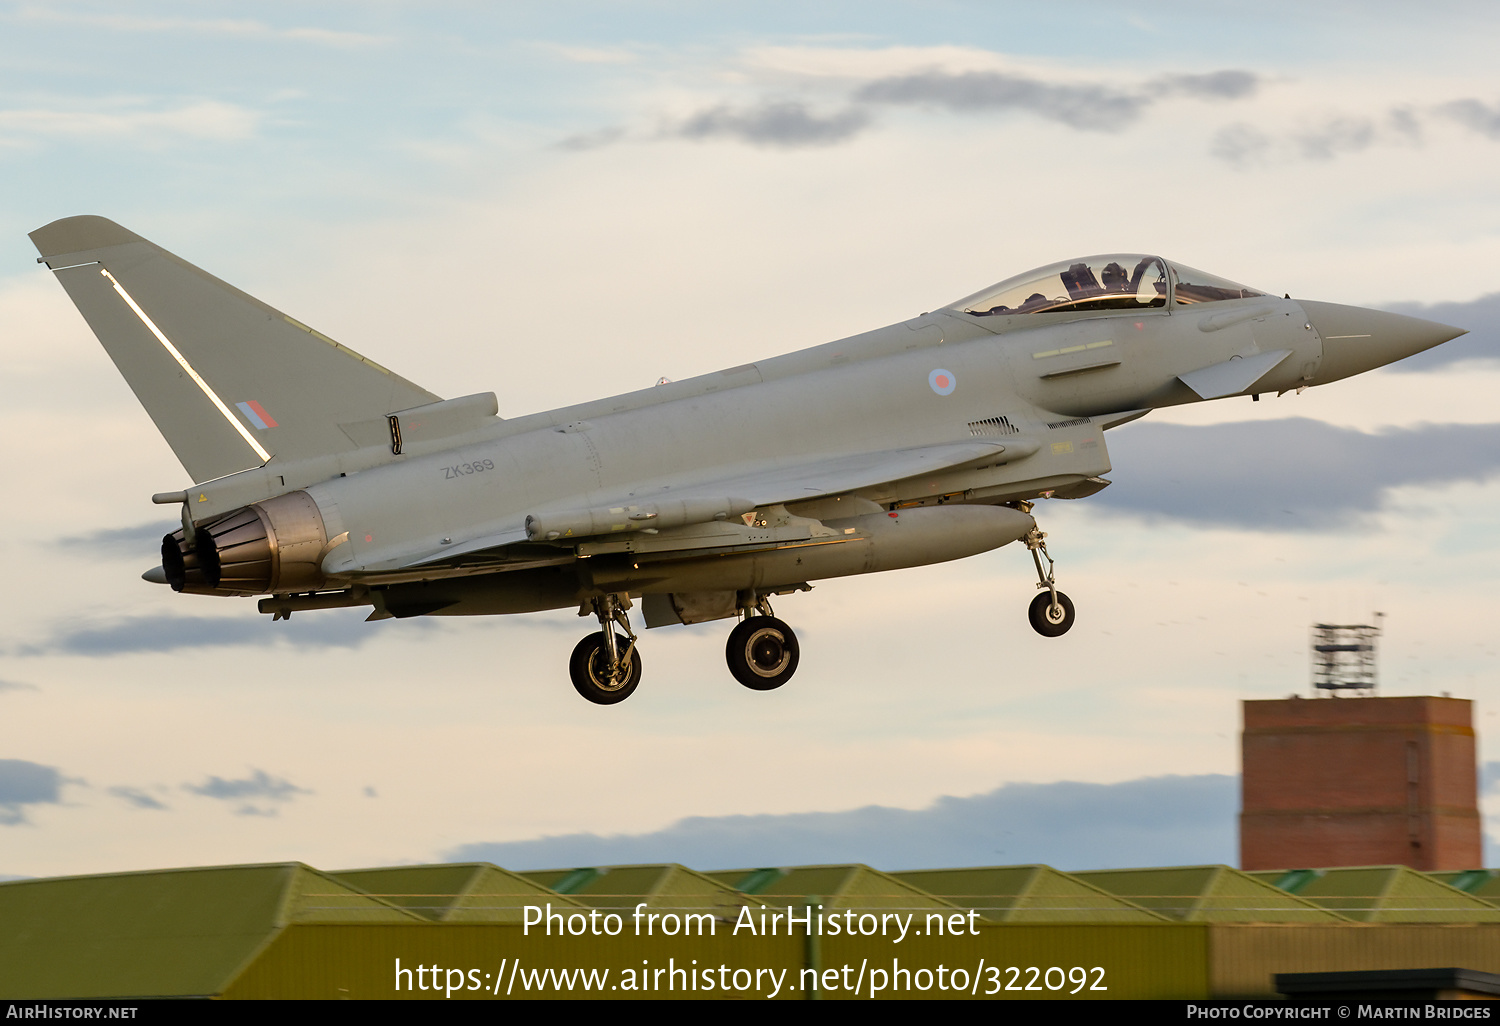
287 930
834 887
473 892
1207 894
1028 894
1384 894
177 932
666 886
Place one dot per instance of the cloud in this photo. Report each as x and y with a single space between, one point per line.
1245 145
1073 826
326 37
1285 475
1404 123
1240 144
1480 316
1335 137
790 124
1083 105
141 542
15 685
240 28
785 124
165 633
1473 114
26 783
591 140
259 786
136 797
1215 85
206 119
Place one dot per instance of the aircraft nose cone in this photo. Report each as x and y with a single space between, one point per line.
1356 339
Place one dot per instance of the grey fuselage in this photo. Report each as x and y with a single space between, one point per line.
324 479
864 393
1044 387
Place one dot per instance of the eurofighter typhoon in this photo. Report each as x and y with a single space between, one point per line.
323 480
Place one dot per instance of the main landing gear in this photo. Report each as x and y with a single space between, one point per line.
762 651
1051 612
606 667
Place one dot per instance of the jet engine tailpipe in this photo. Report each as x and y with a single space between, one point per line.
271 546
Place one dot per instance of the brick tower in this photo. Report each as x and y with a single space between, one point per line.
1359 782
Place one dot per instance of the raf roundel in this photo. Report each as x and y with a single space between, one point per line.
943 382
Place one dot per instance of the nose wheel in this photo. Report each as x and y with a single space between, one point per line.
1051 612
606 667
762 651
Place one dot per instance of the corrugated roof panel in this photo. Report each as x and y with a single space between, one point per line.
314 896
476 892
1393 894
1207 894
749 881
1028 894
661 886
853 885
1482 883
177 932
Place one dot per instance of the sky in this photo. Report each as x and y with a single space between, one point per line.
564 201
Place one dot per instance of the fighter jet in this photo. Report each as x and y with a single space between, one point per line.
320 479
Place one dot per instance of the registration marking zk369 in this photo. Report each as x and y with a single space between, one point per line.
459 470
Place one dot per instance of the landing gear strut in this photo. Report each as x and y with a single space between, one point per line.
1051 612
606 667
762 651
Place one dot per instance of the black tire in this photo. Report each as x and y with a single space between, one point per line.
587 668
762 653
1045 620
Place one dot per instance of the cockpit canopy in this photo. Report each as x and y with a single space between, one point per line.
1119 281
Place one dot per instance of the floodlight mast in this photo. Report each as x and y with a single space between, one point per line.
1343 658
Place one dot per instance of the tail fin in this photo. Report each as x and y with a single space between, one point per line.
230 382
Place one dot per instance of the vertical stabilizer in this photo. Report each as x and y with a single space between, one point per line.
230 382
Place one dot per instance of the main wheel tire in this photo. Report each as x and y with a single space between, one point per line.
1048 621
589 667
762 653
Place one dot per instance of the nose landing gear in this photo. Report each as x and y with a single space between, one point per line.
1051 616
1051 612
